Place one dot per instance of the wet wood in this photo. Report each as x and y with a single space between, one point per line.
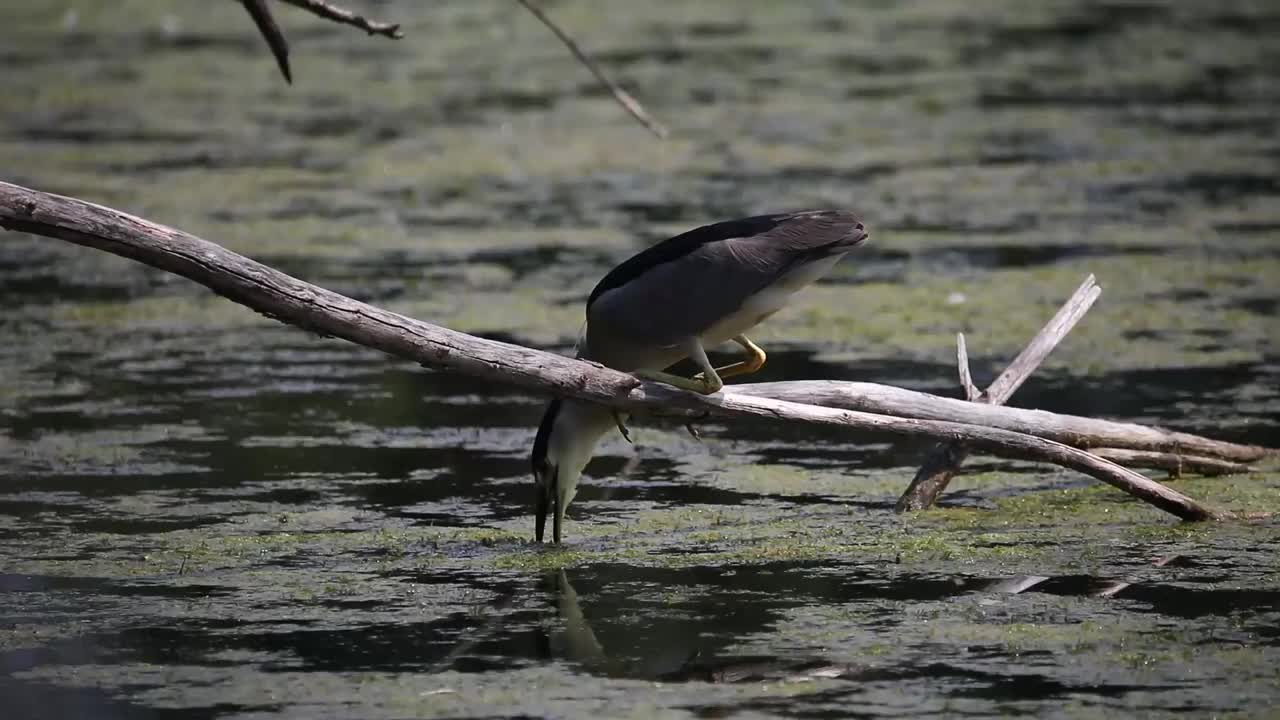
313 308
945 459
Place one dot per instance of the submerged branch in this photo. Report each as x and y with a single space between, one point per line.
313 308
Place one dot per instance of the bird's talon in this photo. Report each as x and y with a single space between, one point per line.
693 431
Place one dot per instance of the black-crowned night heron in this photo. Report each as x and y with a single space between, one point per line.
672 301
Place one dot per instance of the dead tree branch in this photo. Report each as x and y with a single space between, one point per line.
329 11
266 24
971 391
262 18
944 461
1074 430
1044 342
628 103
313 308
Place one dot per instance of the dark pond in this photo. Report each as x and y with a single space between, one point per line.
207 515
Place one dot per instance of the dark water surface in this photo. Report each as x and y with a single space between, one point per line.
204 514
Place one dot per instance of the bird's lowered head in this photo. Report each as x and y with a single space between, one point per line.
566 439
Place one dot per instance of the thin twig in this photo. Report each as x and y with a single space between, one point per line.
999 391
944 461
971 391
628 103
262 18
329 11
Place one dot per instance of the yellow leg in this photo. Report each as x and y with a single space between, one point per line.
705 382
755 359
679 381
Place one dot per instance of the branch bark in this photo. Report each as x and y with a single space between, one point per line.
313 308
944 461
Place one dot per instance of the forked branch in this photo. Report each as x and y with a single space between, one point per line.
271 32
944 461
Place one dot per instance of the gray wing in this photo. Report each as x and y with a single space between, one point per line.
682 297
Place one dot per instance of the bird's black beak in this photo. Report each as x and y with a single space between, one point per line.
546 501
540 514
555 519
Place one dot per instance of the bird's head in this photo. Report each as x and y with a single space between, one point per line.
566 438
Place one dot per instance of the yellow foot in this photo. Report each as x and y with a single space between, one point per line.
696 384
755 359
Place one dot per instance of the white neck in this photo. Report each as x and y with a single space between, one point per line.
577 430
